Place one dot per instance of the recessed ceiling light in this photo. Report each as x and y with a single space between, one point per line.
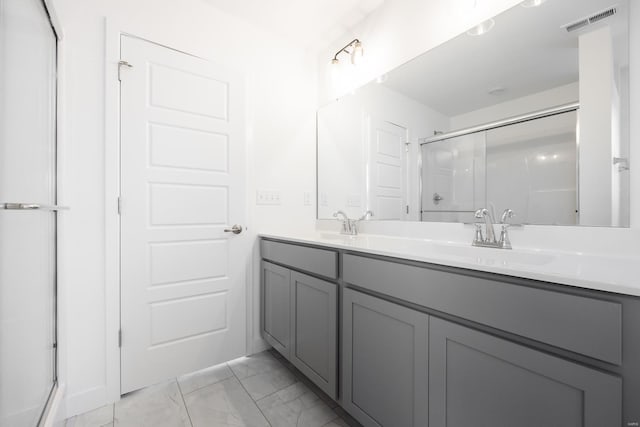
482 28
532 3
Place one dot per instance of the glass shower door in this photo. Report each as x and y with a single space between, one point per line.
27 211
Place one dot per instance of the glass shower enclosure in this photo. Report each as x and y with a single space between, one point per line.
529 166
28 212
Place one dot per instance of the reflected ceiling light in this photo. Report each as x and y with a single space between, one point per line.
532 3
353 49
382 78
498 90
482 28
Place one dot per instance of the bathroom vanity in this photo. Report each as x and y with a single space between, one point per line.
446 335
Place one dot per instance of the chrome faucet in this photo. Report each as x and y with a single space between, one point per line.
347 224
350 226
489 239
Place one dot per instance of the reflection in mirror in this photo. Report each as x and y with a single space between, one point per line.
532 116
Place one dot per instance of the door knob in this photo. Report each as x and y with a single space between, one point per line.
236 229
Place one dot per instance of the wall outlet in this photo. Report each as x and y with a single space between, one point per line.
306 196
268 197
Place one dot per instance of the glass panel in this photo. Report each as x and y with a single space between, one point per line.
453 178
531 169
27 246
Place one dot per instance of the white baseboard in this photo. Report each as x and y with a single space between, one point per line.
55 412
258 345
86 400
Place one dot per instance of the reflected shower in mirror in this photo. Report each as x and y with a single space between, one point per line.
532 116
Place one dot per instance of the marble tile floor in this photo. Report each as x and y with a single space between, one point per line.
259 390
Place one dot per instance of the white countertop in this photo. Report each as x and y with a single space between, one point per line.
618 274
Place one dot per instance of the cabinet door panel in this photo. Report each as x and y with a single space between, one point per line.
478 379
385 362
276 304
314 326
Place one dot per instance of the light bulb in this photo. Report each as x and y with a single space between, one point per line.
358 52
532 3
482 28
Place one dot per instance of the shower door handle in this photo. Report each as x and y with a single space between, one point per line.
31 207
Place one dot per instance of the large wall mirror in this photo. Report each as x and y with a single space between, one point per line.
532 115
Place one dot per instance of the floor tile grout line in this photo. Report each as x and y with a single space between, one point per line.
209 385
298 379
184 402
250 397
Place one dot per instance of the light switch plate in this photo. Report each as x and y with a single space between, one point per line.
268 197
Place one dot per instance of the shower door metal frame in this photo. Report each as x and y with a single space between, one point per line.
539 114
54 393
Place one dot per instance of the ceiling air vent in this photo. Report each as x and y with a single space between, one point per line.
581 23
600 16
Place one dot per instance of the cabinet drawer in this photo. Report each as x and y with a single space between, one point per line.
583 325
317 261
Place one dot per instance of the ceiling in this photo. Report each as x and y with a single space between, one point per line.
526 52
306 23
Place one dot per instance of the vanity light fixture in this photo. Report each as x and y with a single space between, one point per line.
482 28
354 49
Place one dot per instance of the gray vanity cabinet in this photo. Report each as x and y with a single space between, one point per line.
314 330
384 362
299 311
276 304
481 380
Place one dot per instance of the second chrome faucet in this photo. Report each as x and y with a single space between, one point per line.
350 226
488 239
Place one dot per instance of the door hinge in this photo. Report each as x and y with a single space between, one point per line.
407 208
119 205
120 65
119 338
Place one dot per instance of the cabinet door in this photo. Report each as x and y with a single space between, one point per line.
314 326
276 307
480 380
385 362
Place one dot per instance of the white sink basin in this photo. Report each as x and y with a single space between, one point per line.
494 256
476 255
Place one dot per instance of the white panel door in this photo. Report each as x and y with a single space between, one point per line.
182 172
387 170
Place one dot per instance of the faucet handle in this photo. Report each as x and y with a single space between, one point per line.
504 241
478 236
368 214
508 213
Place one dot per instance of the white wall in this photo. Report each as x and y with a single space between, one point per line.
597 88
280 128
